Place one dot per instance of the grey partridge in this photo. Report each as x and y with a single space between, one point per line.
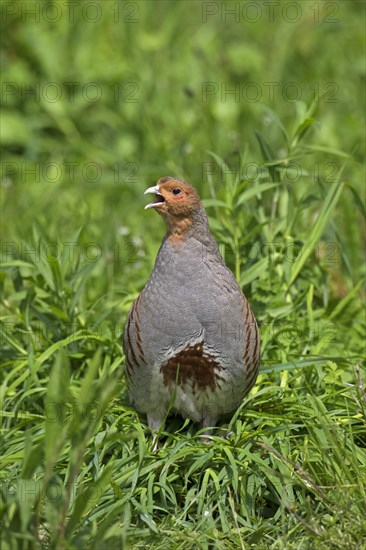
191 340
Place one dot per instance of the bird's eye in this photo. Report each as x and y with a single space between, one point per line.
176 191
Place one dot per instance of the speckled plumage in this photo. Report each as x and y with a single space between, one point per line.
191 330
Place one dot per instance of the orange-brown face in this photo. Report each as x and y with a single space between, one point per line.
174 199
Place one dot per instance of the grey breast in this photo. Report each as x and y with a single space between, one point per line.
191 294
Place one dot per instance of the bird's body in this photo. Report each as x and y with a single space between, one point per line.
191 340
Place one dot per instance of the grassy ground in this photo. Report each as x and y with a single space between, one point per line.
262 111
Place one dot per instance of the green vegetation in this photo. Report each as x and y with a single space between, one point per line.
264 115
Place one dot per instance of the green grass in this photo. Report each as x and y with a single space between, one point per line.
282 181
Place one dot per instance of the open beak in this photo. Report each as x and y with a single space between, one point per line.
159 197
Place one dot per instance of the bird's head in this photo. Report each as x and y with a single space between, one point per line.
174 198
177 201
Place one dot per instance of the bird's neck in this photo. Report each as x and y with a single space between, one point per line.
180 229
